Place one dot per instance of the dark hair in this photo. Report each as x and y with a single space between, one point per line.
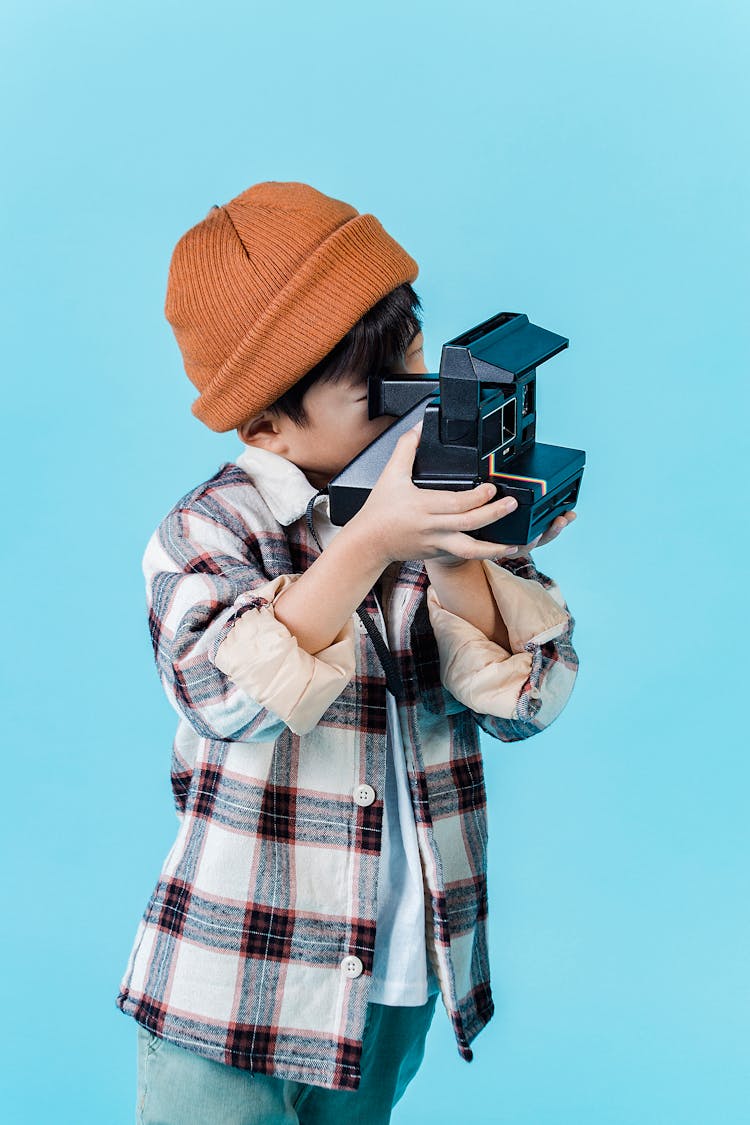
379 339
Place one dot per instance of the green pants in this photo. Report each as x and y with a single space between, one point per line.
179 1087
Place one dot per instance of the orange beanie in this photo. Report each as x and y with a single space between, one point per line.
265 286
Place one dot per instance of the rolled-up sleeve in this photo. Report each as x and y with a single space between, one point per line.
203 580
263 657
511 694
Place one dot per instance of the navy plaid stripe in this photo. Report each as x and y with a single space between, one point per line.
466 903
260 930
204 794
457 787
173 909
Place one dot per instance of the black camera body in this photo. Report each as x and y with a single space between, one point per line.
479 424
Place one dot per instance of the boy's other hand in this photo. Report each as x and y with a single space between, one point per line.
558 524
400 521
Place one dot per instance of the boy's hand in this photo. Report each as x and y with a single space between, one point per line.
558 524
402 521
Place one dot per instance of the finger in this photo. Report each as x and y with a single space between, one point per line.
472 518
527 548
557 525
449 501
444 501
561 523
405 450
484 495
464 547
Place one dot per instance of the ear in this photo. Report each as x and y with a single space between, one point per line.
261 430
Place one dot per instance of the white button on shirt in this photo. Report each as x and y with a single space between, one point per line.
352 966
364 795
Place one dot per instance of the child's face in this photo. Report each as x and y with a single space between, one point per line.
338 424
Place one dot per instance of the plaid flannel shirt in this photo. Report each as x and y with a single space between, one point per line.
256 944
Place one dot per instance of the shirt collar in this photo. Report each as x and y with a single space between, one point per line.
283 486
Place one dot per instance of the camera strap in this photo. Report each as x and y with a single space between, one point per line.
394 683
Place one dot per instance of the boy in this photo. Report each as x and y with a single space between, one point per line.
328 878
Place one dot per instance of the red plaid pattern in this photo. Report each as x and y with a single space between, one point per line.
272 880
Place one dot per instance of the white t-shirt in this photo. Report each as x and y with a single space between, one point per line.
401 973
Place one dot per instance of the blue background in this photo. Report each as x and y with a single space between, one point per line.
584 163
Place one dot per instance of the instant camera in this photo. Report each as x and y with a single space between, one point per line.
479 424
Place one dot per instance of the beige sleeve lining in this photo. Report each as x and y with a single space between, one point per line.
480 673
262 657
